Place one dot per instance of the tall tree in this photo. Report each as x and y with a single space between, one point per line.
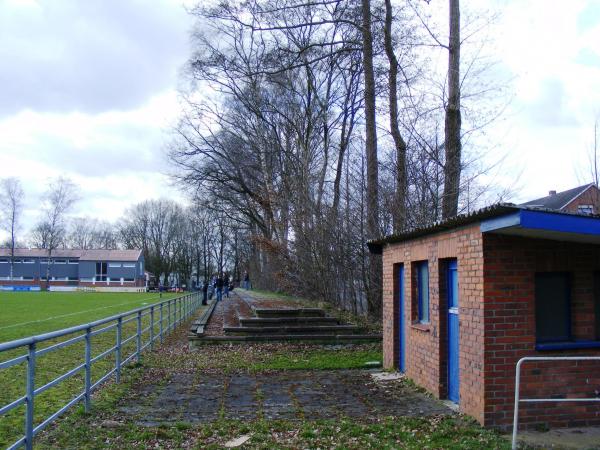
372 200
11 208
452 141
399 207
58 200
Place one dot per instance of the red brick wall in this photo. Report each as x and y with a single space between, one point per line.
426 344
590 197
510 265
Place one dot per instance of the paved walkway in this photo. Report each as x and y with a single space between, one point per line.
200 397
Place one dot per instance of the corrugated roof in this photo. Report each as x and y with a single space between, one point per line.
83 255
560 199
488 212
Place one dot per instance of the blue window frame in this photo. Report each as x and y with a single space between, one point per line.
422 292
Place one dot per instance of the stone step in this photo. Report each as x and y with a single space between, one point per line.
326 339
270 321
302 329
289 312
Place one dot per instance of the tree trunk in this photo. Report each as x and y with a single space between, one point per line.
372 200
399 212
453 119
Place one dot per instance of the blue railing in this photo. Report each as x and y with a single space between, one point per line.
161 318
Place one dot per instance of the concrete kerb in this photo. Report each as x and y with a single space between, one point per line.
197 328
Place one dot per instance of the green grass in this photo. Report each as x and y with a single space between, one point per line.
30 313
386 433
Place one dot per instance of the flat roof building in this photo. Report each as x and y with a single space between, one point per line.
72 269
466 298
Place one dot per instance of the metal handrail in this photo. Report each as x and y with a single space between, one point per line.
173 312
542 400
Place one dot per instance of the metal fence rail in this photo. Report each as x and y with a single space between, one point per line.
163 317
543 400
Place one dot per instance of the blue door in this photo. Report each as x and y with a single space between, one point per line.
401 333
453 333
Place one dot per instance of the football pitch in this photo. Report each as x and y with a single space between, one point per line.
25 314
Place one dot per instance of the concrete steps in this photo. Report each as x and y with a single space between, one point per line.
286 321
289 312
299 329
327 339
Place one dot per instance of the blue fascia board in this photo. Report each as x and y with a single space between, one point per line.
544 221
497 223
565 223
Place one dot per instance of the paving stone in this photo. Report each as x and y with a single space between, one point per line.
279 395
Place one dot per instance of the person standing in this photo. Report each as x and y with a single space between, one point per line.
246 280
205 292
219 288
226 284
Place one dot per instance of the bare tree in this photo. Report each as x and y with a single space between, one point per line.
58 200
87 233
452 142
11 208
399 207
372 200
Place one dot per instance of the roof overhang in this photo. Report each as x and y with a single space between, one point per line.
545 225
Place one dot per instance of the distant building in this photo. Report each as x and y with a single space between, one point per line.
580 200
72 269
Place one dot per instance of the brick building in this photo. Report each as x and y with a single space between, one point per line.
465 299
72 269
580 200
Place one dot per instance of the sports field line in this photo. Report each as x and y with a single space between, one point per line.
75 313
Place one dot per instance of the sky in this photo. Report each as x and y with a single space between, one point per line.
89 90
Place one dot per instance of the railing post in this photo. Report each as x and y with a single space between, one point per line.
118 349
517 400
138 355
161 323
88 368
30 395
169 316
152 328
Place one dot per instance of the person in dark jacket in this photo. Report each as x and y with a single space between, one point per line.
205 292
219 288
226 285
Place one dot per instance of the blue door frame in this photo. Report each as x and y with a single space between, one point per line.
453 333
401 326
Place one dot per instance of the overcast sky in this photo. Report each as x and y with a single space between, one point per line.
89 91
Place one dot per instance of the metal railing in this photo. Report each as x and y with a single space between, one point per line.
170 314
543 400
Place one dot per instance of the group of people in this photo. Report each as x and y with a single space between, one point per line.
220 285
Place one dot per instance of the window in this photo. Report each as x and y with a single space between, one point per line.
72 261
28 261
72 278
43 261
128 279
3 261
60 261
129 265
552 307
422 292
114 265
27 278
101 271
585 209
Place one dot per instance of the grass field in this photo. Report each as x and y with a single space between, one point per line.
24 314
